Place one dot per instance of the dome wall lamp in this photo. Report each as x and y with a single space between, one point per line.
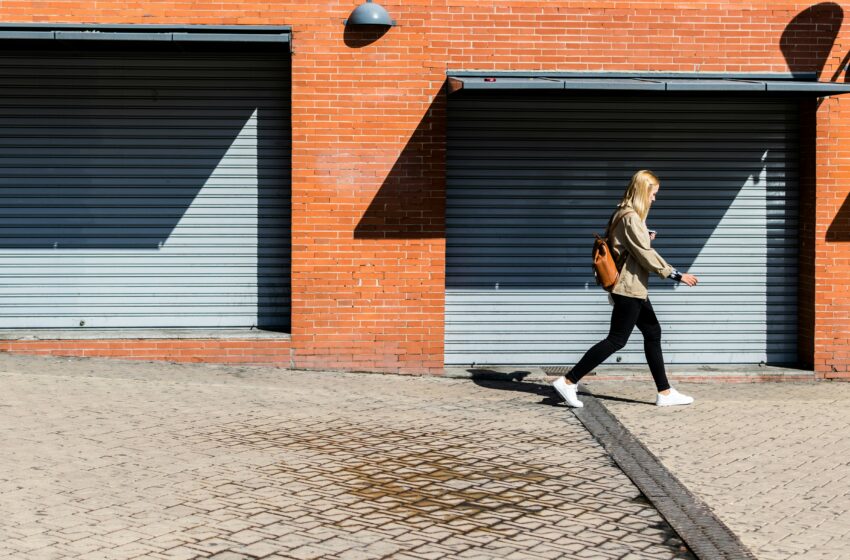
370 13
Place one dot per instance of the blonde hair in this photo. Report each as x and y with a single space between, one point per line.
638 192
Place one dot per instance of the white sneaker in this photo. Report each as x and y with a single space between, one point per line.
568 392
672 399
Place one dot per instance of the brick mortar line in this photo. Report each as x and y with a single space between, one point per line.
704 533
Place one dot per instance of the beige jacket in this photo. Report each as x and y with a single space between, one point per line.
631 236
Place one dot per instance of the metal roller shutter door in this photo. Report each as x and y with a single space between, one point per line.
532 177
144 188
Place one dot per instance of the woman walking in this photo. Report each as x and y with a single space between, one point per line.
628 235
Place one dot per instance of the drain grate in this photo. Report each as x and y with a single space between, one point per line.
561 370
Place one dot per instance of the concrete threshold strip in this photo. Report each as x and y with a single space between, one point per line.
716 373
707 536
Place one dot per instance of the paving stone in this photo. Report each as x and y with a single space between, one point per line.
307 552
79 546
337 545
258 550
246 537
357 554
181 553
294 540
213 545
230 555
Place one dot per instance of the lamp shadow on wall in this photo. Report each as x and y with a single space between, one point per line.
410 203
807 40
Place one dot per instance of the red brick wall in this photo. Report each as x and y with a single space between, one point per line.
368 230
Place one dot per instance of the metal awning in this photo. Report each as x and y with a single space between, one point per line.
97 32
802 84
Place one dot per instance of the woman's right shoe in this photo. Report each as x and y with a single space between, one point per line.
673 399
568 392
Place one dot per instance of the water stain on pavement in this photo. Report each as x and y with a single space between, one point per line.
456 481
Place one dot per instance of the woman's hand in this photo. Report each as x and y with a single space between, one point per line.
690 279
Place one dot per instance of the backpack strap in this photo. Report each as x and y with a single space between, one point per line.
611 226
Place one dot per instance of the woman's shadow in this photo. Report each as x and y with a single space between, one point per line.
513 381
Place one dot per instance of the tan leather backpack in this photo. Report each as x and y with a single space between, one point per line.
605 270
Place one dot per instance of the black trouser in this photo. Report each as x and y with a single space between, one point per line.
627 313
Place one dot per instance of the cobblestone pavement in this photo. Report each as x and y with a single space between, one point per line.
772 460
114 460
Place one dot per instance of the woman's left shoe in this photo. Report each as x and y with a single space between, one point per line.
672 399
569 392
